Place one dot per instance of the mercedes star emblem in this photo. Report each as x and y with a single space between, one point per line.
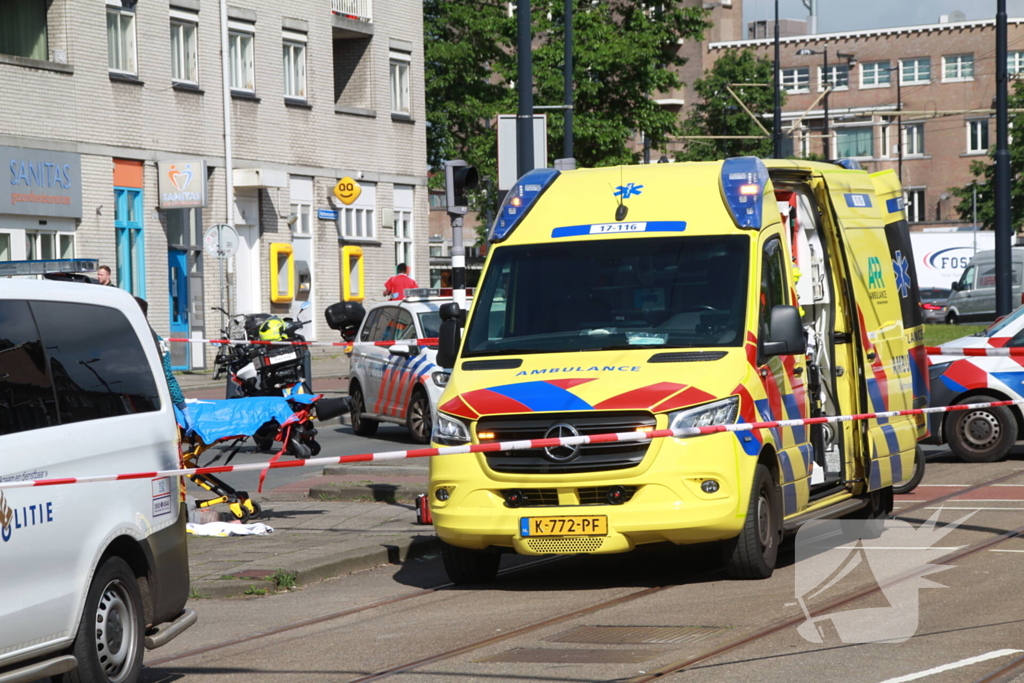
561 453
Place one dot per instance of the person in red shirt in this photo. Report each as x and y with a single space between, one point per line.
394 288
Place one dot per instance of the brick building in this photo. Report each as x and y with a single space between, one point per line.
112 135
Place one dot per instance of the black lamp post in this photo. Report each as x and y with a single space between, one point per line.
851 62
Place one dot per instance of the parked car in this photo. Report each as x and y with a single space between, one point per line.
973 298
983 434
92 573
401 383
933 304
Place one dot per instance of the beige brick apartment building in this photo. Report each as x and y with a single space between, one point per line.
113 147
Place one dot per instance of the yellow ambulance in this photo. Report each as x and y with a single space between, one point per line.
670 296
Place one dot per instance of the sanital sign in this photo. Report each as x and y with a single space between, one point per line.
182 184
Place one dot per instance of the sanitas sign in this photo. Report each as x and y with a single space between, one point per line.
182 184
41 183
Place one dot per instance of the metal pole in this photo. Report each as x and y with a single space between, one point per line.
899 124
828 140
229 181
974 213
458 264
524 84
567 75
777 112
647 149
1004 293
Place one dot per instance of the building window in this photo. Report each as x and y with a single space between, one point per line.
915 205
796 80
400 82
855 142
913 139
435 251
243 76
23 28
121 40
358 223
875 74
131 274
838 77
184 55
294 52
302 227
977 136
5 246
957 68
915 71
1015 62
403 238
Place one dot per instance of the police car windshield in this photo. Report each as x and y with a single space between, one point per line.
596 295
1000 325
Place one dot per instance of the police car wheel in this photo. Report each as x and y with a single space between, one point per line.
417 419
361 425
465 566
109 641
983 434
752 554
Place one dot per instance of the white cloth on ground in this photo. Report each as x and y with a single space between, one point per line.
227 529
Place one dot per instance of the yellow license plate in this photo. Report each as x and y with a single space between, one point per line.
588 525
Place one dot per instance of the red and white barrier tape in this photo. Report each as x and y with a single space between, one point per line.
974 351
430 341
501 446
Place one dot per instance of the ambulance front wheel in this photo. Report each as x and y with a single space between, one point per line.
981 434
752 554
360 424
465 566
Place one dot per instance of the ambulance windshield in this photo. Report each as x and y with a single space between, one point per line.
596 295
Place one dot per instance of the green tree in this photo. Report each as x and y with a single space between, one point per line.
717 112
984 175
623 53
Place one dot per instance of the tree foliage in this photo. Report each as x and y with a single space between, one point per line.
623 53
717 112
985 172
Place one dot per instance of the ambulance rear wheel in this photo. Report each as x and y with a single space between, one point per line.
752 554
465 566
981 434
361 425
108 646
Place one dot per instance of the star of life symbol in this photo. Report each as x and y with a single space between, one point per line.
627 191
891 552
902 270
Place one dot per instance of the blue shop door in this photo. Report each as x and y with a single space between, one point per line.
177 262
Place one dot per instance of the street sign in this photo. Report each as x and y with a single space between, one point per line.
508 166
220 241
347 190
327 214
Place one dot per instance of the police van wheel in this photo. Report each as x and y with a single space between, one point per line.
982 434
465 566
951 318
360 425
908 485
109 641
753 553
417 420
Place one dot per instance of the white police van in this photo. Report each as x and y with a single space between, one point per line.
400 383
90 574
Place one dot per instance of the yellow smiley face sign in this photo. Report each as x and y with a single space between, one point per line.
347 190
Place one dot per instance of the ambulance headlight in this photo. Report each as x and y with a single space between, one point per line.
449 431
722 412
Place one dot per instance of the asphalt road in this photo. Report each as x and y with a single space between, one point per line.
960 633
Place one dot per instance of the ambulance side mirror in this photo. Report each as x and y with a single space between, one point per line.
448 336
786 336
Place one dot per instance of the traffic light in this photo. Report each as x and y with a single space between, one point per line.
458 178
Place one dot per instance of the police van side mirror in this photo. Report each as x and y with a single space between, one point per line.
955 286
786 335
448 336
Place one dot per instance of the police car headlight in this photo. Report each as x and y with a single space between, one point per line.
449 431
718 413
938 369
440 378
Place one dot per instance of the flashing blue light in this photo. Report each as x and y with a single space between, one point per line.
518 201
743 183
849 164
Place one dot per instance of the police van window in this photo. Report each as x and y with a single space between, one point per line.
371 320
967 279
599 295
773 283
97 362
385 328
27 400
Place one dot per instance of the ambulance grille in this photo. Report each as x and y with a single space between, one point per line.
595 457
565 546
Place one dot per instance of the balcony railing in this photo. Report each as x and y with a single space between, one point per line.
360 10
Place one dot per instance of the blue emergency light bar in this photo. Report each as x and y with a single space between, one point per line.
518 201
743 183
64 265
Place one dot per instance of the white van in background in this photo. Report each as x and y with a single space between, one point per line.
973 298
90 574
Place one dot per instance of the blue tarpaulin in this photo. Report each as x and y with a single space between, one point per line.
215 420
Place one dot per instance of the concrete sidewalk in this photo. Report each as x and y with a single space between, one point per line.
312 540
